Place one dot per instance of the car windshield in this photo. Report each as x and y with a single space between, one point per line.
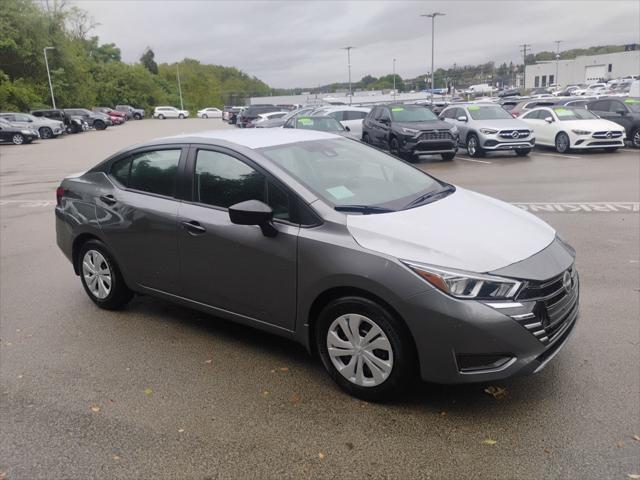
567 113
633 104
412 114
492 112
344 172
325 124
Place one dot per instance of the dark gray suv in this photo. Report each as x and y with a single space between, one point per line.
379 268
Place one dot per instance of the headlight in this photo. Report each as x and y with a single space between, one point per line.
26 132
488 131
467 285
581 132
410 131
454 130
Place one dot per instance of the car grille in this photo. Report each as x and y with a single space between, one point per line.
514 133
556 306
607 135
435 135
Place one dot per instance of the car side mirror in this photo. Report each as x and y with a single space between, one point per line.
621 112
347 129
549 119
253 212
385 121
462 118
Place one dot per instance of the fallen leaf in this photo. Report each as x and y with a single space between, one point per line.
95 408
496 392
115 457
489 441
443 413
636 438
284 369
633 476
208 361
148 391
295 399
111 400
180 430
547 451
620 444
20 376
349 445
265 393
3 475
321 456
273 371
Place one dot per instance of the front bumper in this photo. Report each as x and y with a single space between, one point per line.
495 143
418 145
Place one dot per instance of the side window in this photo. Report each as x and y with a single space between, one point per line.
600 106
532 115
615 106
339 116
290 123
153 172
354 115
384 115
222 180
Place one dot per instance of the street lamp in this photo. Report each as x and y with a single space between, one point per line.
394 79
557 42
179 85
432 16
46 62
348 49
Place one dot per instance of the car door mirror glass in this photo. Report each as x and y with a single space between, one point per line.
253 212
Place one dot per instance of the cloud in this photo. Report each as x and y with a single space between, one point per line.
291 43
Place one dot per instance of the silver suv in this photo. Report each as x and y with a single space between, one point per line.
489 127
46 127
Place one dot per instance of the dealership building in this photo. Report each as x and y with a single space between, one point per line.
583 69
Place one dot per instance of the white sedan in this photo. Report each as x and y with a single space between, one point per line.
210 112
567 128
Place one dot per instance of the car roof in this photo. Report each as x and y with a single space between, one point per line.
339 108
252 138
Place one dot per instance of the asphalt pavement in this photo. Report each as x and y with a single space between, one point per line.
157 391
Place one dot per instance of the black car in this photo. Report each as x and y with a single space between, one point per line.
73 123
409 130
98 121
16 135
509 92
623 111
251 113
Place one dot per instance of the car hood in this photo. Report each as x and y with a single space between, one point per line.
591 125
503 124
465 230
440 124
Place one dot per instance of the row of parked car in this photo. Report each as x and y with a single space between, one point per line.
21 128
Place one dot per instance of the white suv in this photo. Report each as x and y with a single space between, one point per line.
169 112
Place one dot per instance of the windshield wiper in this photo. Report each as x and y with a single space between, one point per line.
430 195
365 209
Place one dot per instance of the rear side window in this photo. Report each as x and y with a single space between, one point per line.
601 106
338 115
354 115
532 115
153 171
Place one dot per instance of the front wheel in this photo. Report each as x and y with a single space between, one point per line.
523 152
45 132
17 139
366 139
137 116
181 116
448 156
100 125
365 350
101 277
204 115
635 138
563 144
161 117
473 146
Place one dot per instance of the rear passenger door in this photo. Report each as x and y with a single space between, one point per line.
353 120
138 215
382 127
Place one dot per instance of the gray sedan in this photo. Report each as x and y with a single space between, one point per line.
45 127
372 264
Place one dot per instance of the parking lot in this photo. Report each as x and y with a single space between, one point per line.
160 391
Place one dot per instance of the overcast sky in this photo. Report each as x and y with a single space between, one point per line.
297 43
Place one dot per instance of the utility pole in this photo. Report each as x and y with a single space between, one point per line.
557 42
394 79
432 16
46 62
179 86
523 48
348 49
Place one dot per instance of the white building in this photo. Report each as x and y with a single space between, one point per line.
584 69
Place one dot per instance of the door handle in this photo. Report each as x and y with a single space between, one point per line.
108 199
193 227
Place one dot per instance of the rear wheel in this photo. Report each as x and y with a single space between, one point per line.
366 139
101 277
45 132
161 117
635 137
448 156
523 152
181 116
365 350
99 125
563 144
204 115
17 139
137 116
473 146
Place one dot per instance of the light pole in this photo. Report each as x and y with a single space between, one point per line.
348 49
432 16
179 86
557 42
394 79
46 62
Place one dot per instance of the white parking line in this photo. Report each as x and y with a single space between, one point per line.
472 160
560 155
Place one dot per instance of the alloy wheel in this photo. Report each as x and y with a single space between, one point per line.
17 139
97 274
562 142
636 139
472 146
360 350
46 133
394 149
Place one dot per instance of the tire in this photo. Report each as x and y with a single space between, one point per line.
523 152
448 156
137 116
635 137
45 133
366 139
204 115
394 149
161 117
473 146
562 143
181 117
17 139
99 125
109 290
395 352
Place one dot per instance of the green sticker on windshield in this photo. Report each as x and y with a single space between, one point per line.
305 121
473 107
340 192
631 100
397 109
563 112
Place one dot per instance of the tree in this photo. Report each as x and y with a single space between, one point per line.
147 60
